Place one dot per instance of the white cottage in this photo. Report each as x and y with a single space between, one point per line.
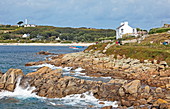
26 35
123 29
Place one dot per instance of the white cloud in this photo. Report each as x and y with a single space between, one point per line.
90 13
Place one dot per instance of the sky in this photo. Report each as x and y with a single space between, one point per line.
101 14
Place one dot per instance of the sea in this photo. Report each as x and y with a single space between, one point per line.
17 56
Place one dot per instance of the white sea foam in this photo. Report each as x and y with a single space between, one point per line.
19 92
79 69
47 65
84 99
80 74
67 69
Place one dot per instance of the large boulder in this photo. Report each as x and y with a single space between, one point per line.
9 79
132 87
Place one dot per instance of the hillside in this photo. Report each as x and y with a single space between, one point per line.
50 33
151 48
157 38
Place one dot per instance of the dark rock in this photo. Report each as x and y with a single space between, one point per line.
34 63
101 103
45 53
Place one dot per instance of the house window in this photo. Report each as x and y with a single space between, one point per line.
121 30
133 30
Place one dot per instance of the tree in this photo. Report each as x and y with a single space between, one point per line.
20 22
138 29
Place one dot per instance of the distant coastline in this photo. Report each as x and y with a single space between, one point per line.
47 44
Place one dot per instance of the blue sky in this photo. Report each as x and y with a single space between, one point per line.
144 14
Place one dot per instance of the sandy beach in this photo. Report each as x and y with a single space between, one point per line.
47 44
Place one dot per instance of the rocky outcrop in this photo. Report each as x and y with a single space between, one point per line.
134 83
45 53
35 63
50 83
9 79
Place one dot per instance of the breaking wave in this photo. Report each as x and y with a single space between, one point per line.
79 100
76 73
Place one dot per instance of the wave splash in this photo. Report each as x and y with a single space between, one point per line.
77 72
80 100
86 99
19 92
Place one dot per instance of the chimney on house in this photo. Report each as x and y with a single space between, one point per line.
125 23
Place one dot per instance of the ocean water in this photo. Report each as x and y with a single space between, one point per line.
17 56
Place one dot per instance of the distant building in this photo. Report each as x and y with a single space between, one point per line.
57 39
28 25
125 29
26 35
166 26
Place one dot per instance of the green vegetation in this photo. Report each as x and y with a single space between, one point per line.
142 51
160 53
99 46
158 30
7 27
107 38
50 33
20 22
156 38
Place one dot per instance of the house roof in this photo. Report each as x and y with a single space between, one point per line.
120 26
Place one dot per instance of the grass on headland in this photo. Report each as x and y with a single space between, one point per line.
141 53
136 51
158 30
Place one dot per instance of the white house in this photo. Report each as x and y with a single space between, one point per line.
57 39
26 35
123 29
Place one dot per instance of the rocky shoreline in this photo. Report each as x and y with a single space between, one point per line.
134 84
